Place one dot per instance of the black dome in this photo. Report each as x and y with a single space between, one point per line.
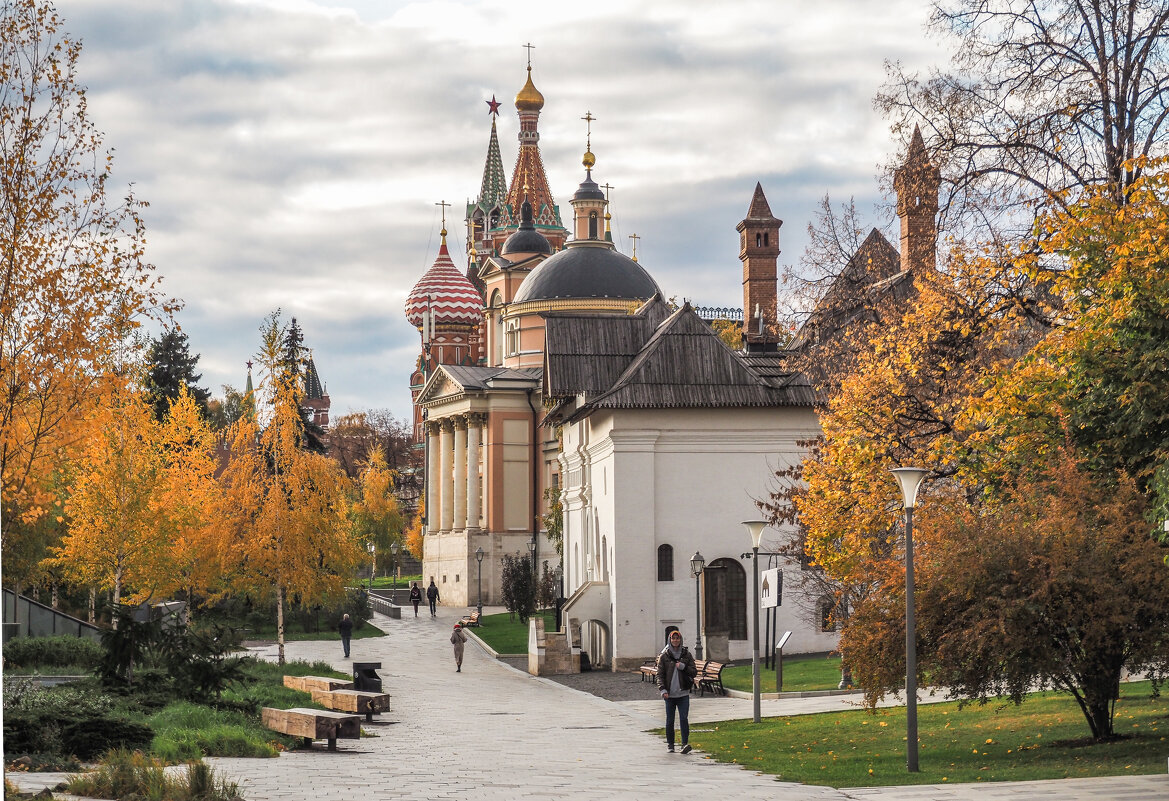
527 239
526 242
587 269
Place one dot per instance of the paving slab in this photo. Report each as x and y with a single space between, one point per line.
494 732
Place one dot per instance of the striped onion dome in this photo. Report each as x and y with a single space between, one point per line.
450 294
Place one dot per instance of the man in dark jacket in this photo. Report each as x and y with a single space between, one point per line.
432 596
676 672
346 629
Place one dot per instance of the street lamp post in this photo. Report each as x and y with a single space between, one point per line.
696 565
755 527
394 572
909 479
372 563
479 559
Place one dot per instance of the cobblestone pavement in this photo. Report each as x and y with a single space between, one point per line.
494 732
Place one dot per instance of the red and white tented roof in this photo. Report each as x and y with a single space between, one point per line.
446 293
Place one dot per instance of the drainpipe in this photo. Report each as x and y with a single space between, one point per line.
535 485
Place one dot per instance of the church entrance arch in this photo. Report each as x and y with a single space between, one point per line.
595 640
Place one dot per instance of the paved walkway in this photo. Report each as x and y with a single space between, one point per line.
493 732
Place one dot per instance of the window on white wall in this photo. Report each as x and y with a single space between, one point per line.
665 563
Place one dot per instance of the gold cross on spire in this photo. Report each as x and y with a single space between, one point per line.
607 187
588 118
634 237
529 47
444 206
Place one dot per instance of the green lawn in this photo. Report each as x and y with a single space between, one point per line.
388 583
800 674
294 634
508 636
1045 738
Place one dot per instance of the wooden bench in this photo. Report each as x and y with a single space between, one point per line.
306 684
312 724
470 619
710 677
649 670
358 701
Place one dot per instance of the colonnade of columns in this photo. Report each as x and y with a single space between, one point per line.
453 484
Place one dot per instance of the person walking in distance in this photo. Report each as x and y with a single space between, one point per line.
432 596
415 596
676 672
346 629
458 640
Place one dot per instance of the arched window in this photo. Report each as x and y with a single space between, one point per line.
726 598
512 338
758 240
765 235
592 225
495 217
665 563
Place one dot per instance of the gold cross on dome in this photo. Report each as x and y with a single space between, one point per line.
444 205
529 47
634 237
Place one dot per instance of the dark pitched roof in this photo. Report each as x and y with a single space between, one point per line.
586 353
481 378
647 361
313 389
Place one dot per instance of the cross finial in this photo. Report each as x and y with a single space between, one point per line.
607 187
444 206
634 237
588 118
529 47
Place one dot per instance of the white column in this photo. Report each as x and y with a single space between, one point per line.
433 485
460 476
474 421
446 447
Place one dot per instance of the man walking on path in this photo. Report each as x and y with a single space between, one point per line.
346 629
676 672
415 596
432 596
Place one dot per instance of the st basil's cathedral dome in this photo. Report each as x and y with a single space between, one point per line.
447 292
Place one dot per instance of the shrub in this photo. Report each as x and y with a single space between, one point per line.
130 774
29 652
70 720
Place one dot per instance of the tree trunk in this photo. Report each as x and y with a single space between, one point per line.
1097 699
93 605
117 599
280 623
56 595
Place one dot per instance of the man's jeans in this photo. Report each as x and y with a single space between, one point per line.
682 705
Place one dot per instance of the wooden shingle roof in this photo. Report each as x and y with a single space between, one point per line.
644 361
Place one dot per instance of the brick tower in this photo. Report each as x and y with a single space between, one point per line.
916 184
759 252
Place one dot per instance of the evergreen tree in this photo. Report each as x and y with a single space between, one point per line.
172 367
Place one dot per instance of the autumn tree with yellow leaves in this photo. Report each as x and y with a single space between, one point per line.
283 527
73 269
967 385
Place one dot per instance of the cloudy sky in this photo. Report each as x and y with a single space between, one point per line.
293 151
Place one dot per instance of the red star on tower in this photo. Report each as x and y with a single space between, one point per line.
493 106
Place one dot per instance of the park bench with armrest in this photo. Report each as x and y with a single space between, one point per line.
710 677
470 619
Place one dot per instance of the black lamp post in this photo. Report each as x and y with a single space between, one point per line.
909 479
394 571
697 563
755 527
479 559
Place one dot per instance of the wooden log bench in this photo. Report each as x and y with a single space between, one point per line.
306 684
357 701
313 724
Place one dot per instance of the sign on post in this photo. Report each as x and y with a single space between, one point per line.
771 588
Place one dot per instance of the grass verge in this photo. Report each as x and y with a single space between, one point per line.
801 674
130 774
508 636
1045 738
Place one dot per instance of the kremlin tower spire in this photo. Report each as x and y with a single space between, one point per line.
529 181
490 209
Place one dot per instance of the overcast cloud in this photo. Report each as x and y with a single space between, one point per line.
292 151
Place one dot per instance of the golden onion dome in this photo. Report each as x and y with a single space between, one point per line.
529 98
